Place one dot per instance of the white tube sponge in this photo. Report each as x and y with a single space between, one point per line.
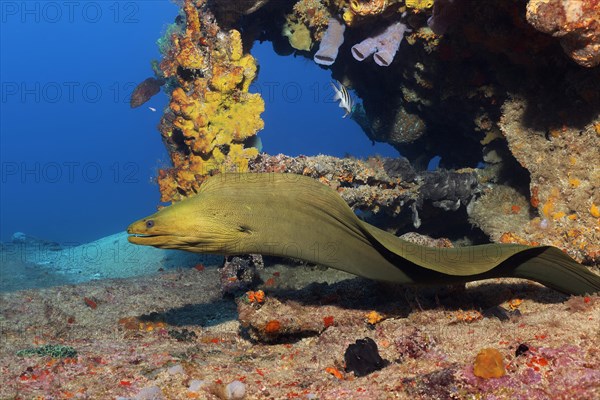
389 43
331 42
364 49
384 46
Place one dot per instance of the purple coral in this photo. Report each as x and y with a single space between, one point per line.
384 46
331 42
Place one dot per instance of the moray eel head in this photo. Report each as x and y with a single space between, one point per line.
172 228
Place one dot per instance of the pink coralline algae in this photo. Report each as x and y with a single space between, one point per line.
383 46
561 368
331 42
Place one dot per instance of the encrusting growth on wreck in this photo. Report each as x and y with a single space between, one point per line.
211 112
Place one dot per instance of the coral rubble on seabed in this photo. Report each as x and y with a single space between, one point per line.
173 337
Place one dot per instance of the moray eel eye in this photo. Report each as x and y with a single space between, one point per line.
149 224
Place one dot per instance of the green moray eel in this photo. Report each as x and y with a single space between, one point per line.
296 216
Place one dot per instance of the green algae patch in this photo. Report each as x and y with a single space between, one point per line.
52 350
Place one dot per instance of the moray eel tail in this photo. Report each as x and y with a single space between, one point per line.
553 268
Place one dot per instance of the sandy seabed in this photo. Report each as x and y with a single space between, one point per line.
174 336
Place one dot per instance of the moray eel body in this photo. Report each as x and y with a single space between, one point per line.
296 216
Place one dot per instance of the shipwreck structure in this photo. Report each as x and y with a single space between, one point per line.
507 94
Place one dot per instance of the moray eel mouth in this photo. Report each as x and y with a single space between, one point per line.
164 241
139 234
148 240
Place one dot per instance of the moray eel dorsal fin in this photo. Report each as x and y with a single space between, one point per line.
296 216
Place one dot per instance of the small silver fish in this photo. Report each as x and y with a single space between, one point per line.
152 109
341 94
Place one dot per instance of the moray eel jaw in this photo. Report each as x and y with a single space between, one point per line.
172 241
139 234
162 241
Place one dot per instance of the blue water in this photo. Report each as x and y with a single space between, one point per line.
300 114
76 160
77 163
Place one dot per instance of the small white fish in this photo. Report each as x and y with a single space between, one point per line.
341 94
152 109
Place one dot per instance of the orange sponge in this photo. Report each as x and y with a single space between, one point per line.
489 363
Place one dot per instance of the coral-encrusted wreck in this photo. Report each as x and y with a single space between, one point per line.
211 113
484 85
